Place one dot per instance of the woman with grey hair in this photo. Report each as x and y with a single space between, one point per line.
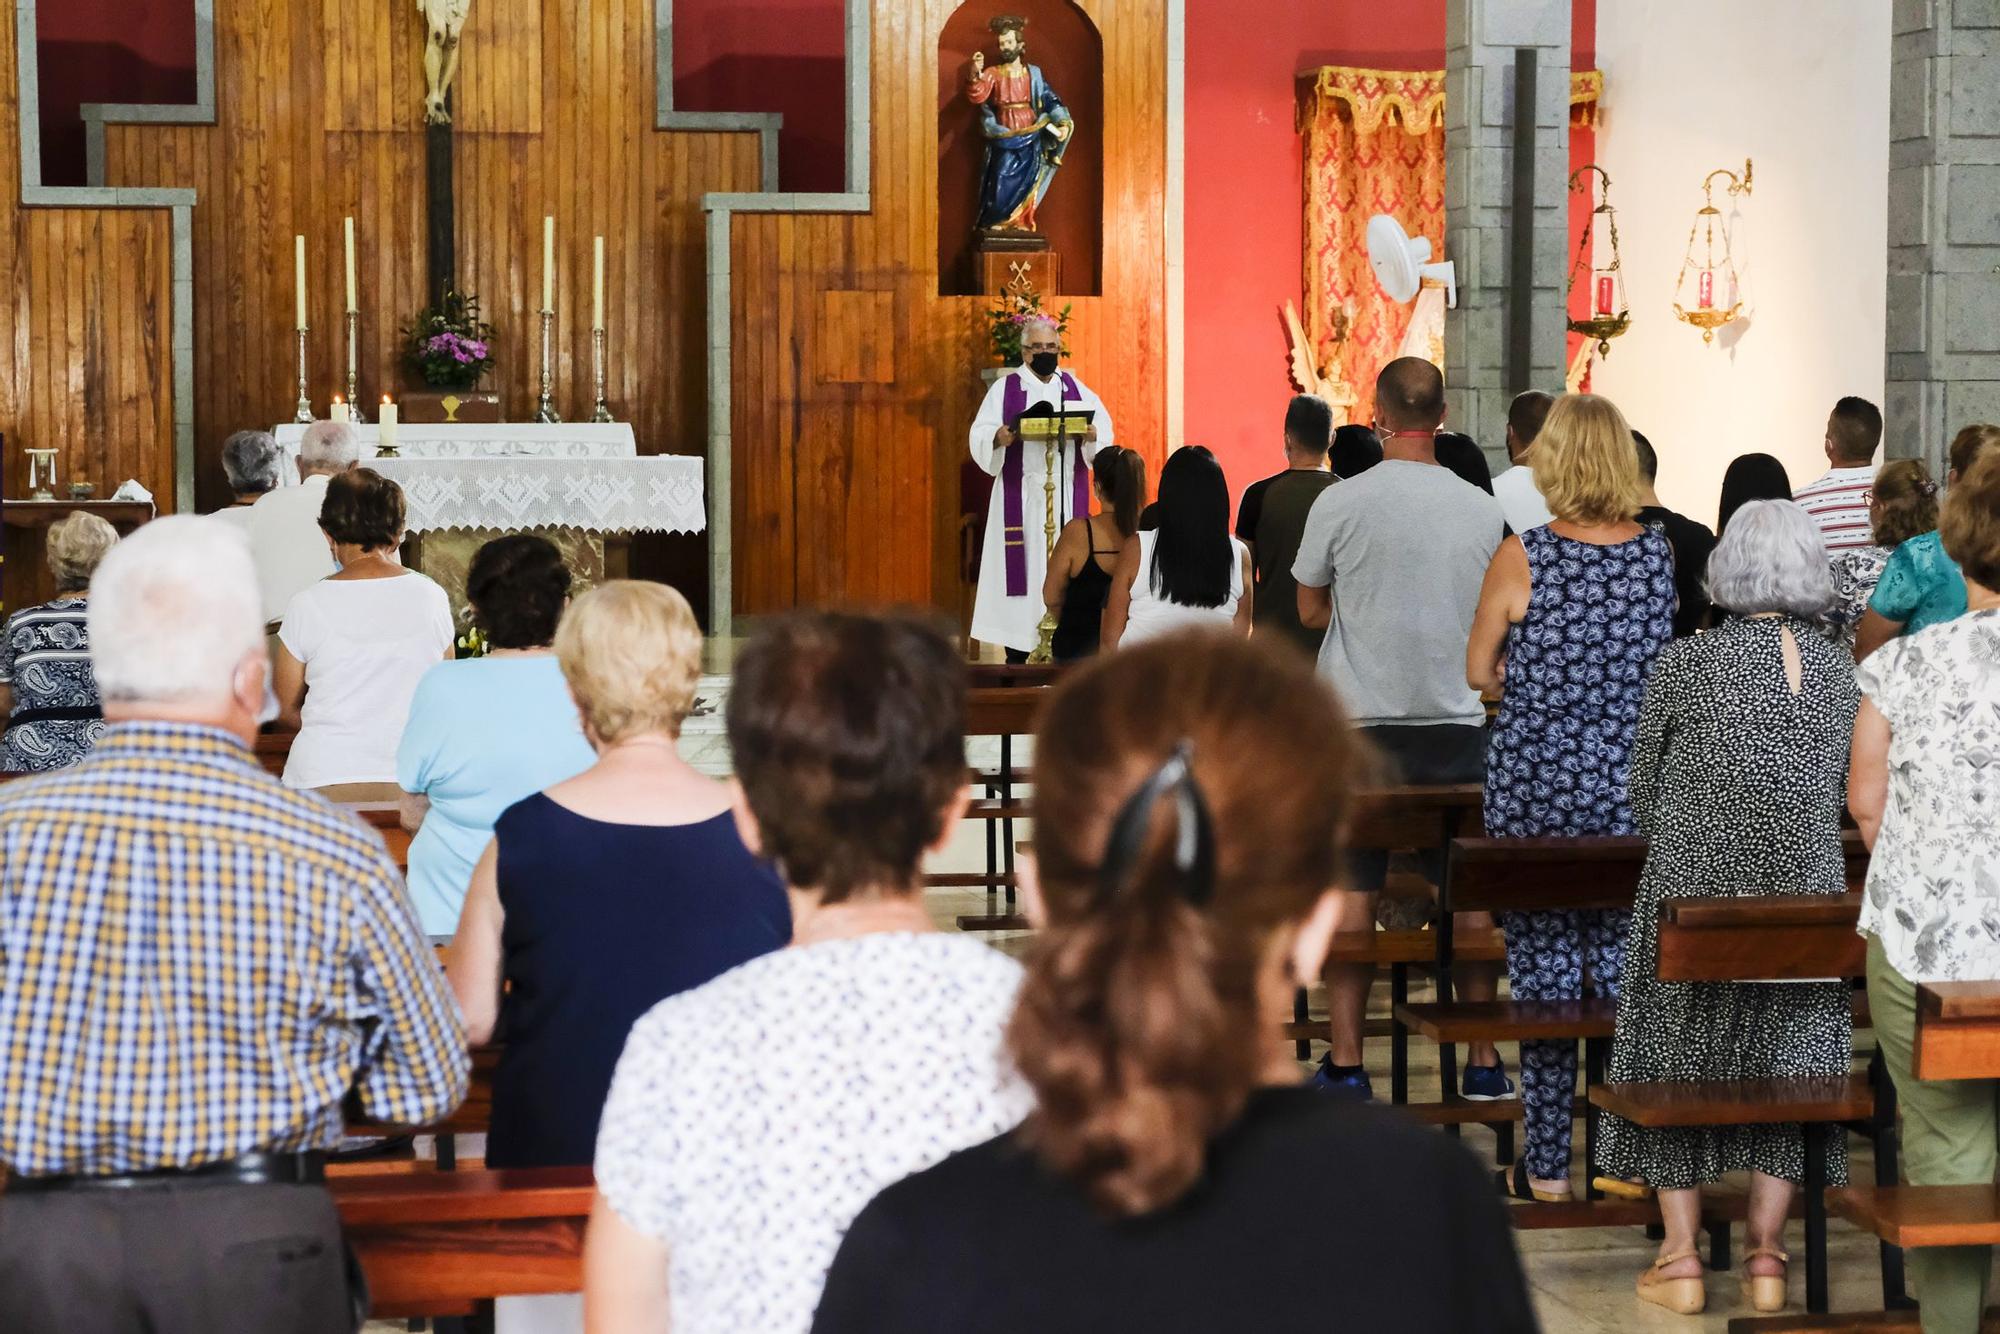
250 460
1738 776
48 693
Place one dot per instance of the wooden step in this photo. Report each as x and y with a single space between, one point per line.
1730 1102
1510 1021
1582 1213
1922 1215
998 810
1003 921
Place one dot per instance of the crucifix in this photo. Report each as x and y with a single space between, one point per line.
444 23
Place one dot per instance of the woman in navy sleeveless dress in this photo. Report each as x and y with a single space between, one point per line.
1571 619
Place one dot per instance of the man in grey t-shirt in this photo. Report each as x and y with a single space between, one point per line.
1391 563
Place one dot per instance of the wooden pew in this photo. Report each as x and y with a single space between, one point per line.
1958 1037
1765 938
1006 701
433 1243
1958 1030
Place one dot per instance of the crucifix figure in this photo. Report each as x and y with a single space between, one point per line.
446 20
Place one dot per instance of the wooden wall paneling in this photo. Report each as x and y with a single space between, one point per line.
319 107
86 364
875 463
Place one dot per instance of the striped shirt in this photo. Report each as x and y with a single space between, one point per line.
1838 503
196 963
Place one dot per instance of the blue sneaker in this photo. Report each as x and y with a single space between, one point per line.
1486 1083
1346 1083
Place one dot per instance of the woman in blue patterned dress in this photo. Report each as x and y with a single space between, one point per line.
1569 622
48 693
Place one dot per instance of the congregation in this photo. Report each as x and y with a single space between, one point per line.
200 961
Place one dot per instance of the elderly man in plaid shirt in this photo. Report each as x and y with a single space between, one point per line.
195 966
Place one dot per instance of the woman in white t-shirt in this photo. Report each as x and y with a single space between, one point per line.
354 645
727 1174
1188 571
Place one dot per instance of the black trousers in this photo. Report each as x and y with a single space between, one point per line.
176 1258
1420 756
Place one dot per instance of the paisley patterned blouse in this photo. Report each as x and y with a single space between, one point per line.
45 658
1934 881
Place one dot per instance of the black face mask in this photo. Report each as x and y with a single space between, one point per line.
1043 364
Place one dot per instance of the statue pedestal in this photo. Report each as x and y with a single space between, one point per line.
1021 263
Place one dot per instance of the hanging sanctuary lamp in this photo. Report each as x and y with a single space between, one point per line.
1597 251
1717 299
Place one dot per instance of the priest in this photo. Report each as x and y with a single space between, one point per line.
1009 606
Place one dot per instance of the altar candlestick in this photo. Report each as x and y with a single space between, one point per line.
352 304
549 263
299 275
385 436
597 286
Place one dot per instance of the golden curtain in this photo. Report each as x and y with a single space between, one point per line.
1374 143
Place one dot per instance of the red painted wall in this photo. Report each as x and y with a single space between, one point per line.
787 56
1244 232
106 51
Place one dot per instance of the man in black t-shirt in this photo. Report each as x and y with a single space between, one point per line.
1691 541
1273 517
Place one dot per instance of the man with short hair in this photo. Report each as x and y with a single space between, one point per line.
1272 518
1520 499
198 965
1838 501
286 545
1008 607
1391 564
1691 541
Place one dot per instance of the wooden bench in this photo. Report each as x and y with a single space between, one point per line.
434 1243
1765 938
1525 875
473 1117
1958 1037
1004 701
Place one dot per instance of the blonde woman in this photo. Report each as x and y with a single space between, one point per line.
1570 619
612 890
48 694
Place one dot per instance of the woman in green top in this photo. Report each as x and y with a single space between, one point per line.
1921 586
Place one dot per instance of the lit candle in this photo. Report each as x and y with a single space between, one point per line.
548 263
299 274
348 226
1604 295
1707 289
597 286
385 437
338 411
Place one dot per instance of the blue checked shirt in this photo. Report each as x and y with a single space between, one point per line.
197 963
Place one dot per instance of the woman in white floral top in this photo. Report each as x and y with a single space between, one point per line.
1925 790
1902 503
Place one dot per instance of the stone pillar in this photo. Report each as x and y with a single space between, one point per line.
1943 364
1481 37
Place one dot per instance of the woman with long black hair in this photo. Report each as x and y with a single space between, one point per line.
1079 578
1188 570
1750 477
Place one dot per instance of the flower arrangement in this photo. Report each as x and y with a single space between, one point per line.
1010 313
449 345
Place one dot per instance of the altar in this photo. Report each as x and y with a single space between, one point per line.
582 485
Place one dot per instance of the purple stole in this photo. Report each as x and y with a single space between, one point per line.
1014 401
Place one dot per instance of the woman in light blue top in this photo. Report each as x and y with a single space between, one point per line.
486 732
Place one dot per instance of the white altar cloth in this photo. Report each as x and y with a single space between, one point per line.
478 440
662 493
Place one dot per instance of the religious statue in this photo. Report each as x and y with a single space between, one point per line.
446 20
1027 130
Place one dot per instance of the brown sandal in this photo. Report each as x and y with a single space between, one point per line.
1682 1296
1766 1292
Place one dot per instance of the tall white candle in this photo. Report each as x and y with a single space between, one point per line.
385 436
349 228
548 263
338 412
597 286
299 277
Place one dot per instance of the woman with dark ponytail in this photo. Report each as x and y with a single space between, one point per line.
1079 579
1175 1174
